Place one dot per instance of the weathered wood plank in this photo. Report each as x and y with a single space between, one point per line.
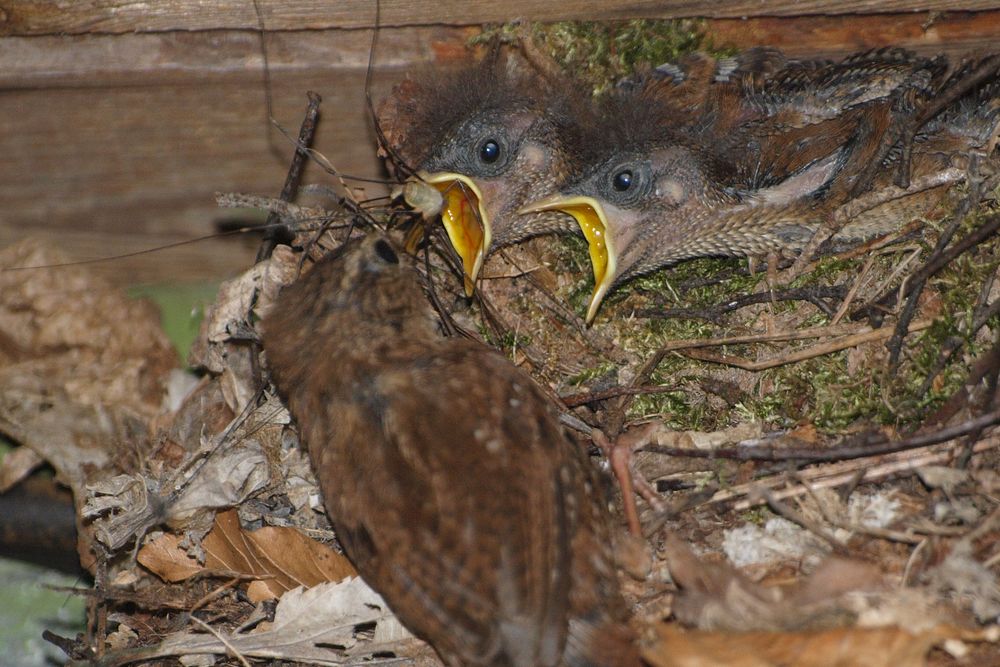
148 58
174 57
955 33
117 169
41 17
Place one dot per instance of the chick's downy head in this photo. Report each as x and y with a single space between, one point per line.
492 137
639 191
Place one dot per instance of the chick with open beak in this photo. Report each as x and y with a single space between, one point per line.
752 167
491 138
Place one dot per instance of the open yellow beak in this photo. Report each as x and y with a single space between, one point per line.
589 214
464 219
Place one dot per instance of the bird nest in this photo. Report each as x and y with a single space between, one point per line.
815 455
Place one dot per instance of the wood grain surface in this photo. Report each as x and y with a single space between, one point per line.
42 17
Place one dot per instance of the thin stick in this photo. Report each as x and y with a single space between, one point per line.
229 647
277 234
865 446
823 478
795 356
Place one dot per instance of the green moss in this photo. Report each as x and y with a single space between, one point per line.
603 52
587 375
757 516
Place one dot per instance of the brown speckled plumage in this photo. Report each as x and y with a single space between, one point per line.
449 481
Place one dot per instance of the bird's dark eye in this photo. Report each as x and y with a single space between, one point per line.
489 152
622 181
385 251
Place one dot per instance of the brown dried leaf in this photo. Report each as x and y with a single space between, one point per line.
330 624
75 384
844 647
167 560
284 558
16 465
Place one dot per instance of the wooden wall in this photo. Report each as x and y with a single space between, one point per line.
119 120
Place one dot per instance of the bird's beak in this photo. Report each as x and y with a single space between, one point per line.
589 214
464 219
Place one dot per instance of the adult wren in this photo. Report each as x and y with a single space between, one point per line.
448 479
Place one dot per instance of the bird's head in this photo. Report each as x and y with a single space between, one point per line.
366 286
646 194
491 138
639 192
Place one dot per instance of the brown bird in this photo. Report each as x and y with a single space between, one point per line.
491 137
445 472
773 157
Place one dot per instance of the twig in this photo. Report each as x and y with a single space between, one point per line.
646 371
980 369
286 210
230 649
895 343
871 200
865 445
214 593
795 356
833 475
875 309
882 533
786 512
813 294
911 560
863 277
585 397
280 234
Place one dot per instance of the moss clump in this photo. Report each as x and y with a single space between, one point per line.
602 53
590 374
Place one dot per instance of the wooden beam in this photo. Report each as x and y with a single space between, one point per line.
112 170
115 144
811 36
175 57
46 17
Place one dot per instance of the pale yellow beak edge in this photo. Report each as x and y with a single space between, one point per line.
464 219
589 214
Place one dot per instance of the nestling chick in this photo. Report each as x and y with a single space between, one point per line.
450 483
773 156
491 138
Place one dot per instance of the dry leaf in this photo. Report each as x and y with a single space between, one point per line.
16 465
166 559
317 626
74 383
284 558
970 581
